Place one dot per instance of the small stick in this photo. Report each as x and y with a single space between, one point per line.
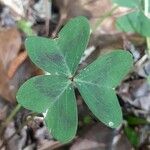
16 63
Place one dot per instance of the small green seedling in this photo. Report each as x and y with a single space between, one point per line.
54 95
132 136
135 21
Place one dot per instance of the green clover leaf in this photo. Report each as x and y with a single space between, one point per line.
54 94
129 3
135 21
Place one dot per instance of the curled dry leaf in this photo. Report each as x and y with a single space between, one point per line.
10 42
88 8
101 13
93 10
97 137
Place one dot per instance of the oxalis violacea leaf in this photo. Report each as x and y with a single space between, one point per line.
129 3
135 21
54 93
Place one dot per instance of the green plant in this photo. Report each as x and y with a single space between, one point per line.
26 27
54 95
135 21
134 121
132 136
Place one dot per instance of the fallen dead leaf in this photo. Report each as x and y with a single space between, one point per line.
90 9
46 145
3 112
96 137
10 42
101 13
4 84
100 137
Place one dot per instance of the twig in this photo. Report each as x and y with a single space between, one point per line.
16 63
48 16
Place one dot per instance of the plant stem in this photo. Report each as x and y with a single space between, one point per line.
13 113
10 117
102 18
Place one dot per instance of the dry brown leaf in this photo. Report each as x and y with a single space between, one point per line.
99 137
46 145
3 113
88 8
92 9
95 137
4 86
10 42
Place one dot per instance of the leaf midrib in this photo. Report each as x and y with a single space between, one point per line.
98 85
59 49
57 98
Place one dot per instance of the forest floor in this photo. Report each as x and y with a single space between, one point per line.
23 129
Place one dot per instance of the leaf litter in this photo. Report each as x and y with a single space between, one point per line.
102 43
